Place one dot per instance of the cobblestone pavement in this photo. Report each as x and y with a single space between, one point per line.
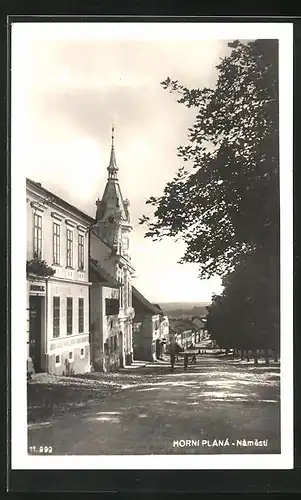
150 410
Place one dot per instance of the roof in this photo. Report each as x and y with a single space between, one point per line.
122 258
158 307
112 203
65 204
113 200
200 323
113 168
99 275
142 305
101 239
181 325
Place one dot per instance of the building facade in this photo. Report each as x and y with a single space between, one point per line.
182 332
164 332
110 246
149 345
107 352
57 283
200 326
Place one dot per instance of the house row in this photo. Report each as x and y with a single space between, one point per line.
80 299
150 329
187 332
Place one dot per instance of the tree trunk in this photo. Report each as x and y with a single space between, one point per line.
247 355
266 356
242 352
275 356
255 354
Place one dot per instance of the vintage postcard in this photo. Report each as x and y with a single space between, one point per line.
152 245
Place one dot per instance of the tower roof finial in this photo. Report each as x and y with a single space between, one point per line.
112 168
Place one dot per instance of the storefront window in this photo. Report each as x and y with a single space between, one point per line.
56 317
69 315
80 315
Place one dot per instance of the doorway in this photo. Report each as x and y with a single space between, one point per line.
158 349
120 346
35 332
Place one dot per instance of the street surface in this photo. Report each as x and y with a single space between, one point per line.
215 399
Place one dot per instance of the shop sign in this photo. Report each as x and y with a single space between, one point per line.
37 288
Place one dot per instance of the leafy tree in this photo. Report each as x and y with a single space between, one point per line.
246 315
226 205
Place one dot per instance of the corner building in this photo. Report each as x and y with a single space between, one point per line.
110 243
58 304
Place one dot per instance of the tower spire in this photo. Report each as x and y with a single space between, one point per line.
112 168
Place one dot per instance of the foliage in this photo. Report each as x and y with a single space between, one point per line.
246 314
227 205
39 267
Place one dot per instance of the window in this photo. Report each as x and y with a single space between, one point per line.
111 344
126 243
56 243
112 307
137 326
125 293
80 315
115 343
129 294
156 324
121 292
80 252
69 248
106 347
56 317
69 315
57 359
70 356
82 352
37 236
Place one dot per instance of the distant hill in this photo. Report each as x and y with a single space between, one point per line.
184 309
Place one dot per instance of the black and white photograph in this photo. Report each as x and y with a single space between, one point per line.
152 268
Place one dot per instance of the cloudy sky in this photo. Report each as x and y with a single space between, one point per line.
68 85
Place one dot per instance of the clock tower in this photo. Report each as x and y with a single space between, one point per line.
112 225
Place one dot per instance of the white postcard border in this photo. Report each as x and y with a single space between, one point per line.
155 31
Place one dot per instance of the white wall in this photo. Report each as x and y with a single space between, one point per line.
164 327
108 293
156 332
65 282
55 214
64 290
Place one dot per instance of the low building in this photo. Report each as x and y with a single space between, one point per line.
164 330
147 330
107 352
200 325
183 332
57 283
